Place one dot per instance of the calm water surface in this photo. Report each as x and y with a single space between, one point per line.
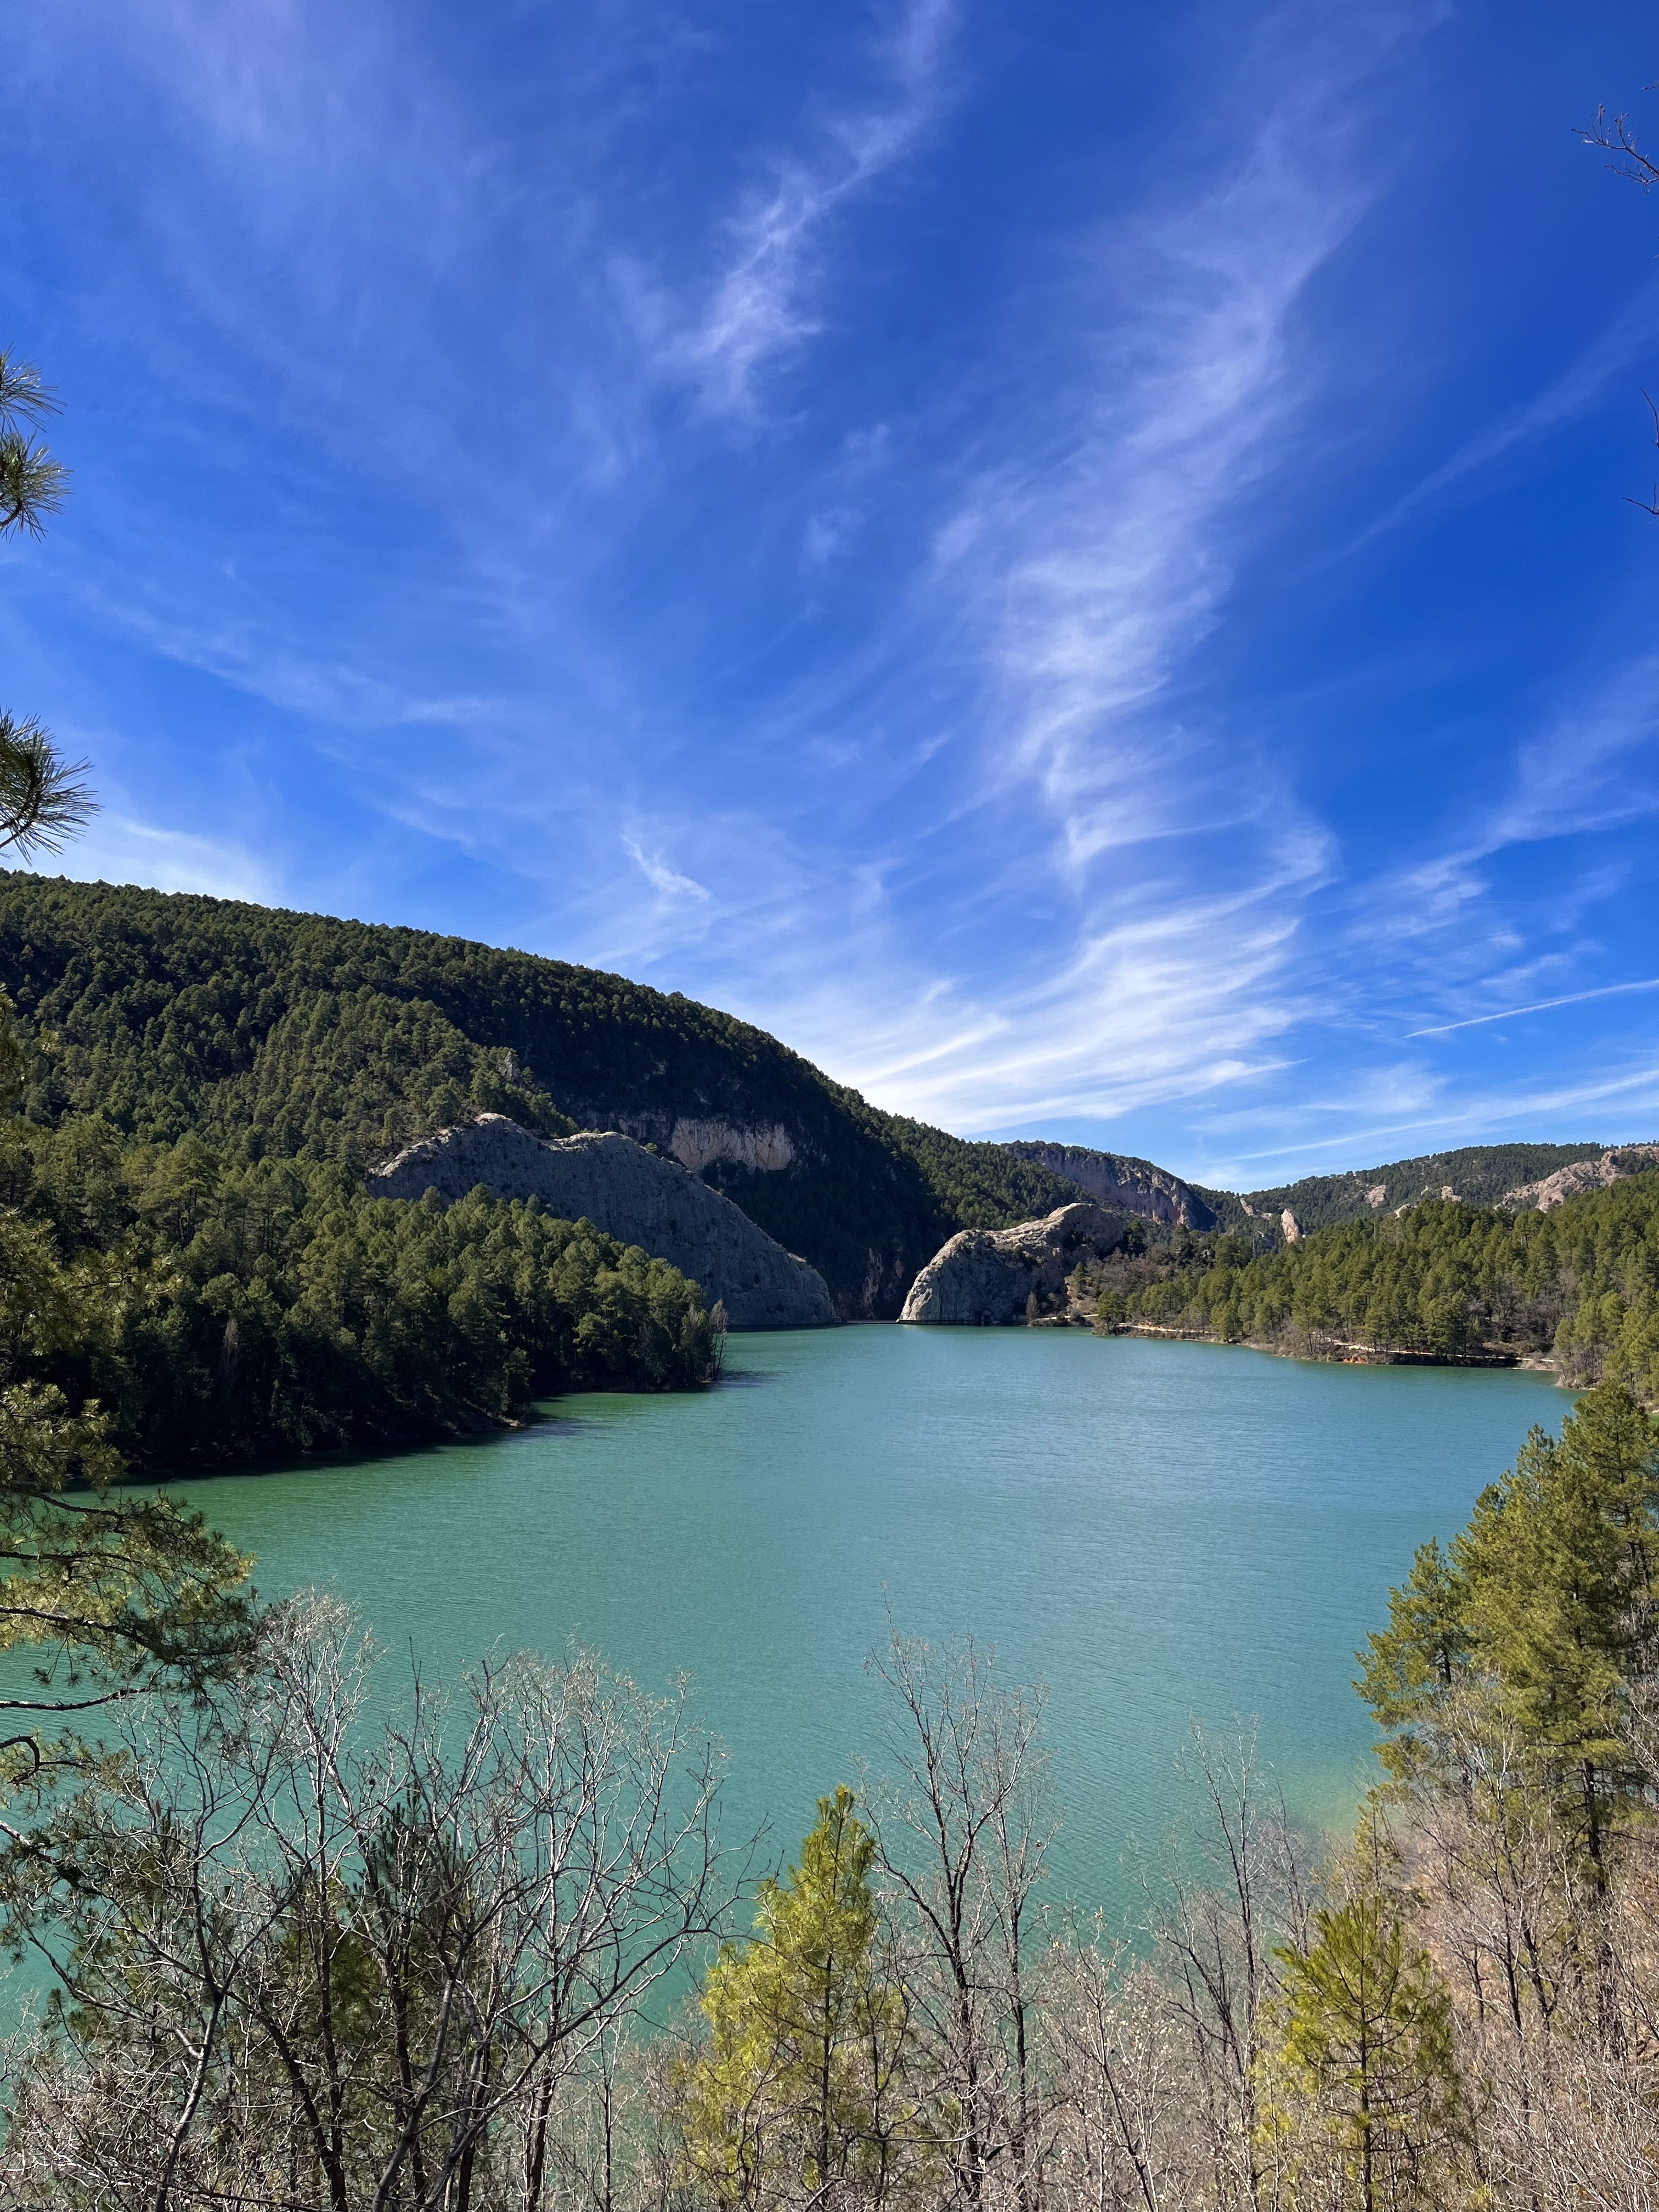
1155 1530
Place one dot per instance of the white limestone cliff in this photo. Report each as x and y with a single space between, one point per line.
604 1177
1132 1187
987 1275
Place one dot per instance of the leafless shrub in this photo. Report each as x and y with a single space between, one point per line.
307 1961
962 1828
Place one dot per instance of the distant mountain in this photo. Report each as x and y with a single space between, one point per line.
1132 1185
1580 1176
1481 1175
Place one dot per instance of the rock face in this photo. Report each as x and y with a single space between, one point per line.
986 1275
698 1144
608 1180
1585 1175
1133 1186
697 1140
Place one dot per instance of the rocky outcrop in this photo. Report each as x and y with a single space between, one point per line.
703 1140
989 1275
1585 1175
1132 1187
698 1144
633 1196
1291 1226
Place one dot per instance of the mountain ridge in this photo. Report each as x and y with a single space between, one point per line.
275 1033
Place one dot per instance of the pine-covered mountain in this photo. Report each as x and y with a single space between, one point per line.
1479 1175
274 1035
1130 1186
277 1035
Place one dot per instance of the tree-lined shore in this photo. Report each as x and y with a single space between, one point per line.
194 1312
1578 1286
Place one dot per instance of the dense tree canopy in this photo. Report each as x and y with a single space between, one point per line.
1441 1280
1481 1175
216 1309
1544 1609
274 1034
292 1036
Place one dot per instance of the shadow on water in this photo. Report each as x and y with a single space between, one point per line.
552 1417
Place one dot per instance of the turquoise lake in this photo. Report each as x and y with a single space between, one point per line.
1155 1530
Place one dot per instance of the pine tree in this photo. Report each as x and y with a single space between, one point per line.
1546 1606
1560 1563
13 1065
800 2084
1362 2073
118 1593
1412 1666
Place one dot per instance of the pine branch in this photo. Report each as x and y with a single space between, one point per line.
32 484
43 800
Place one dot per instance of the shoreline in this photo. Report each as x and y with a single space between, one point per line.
1327 1351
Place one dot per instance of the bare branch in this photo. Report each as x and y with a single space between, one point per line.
1617 139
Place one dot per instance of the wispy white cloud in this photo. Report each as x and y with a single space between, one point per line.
1593 765
985 827
244 647
120 848
1609 359
1092 554
764 298
667 882
1433 1115
1107 563
1538 1006
1169 1007
1473 933
1450 945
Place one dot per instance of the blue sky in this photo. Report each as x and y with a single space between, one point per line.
1070 562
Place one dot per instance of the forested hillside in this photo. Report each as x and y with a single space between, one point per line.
1443 1280
280 1036
285 1035
1481 1174
217 1310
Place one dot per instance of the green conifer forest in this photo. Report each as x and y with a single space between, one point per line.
1442 1281
271 1035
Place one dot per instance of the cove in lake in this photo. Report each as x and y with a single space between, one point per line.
1154 1529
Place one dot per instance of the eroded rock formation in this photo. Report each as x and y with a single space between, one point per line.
698 1144
989 1275
1585 1175
1132 1187
632 1194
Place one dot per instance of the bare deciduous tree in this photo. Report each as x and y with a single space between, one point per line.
963 1827
1218 1930
309 1961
